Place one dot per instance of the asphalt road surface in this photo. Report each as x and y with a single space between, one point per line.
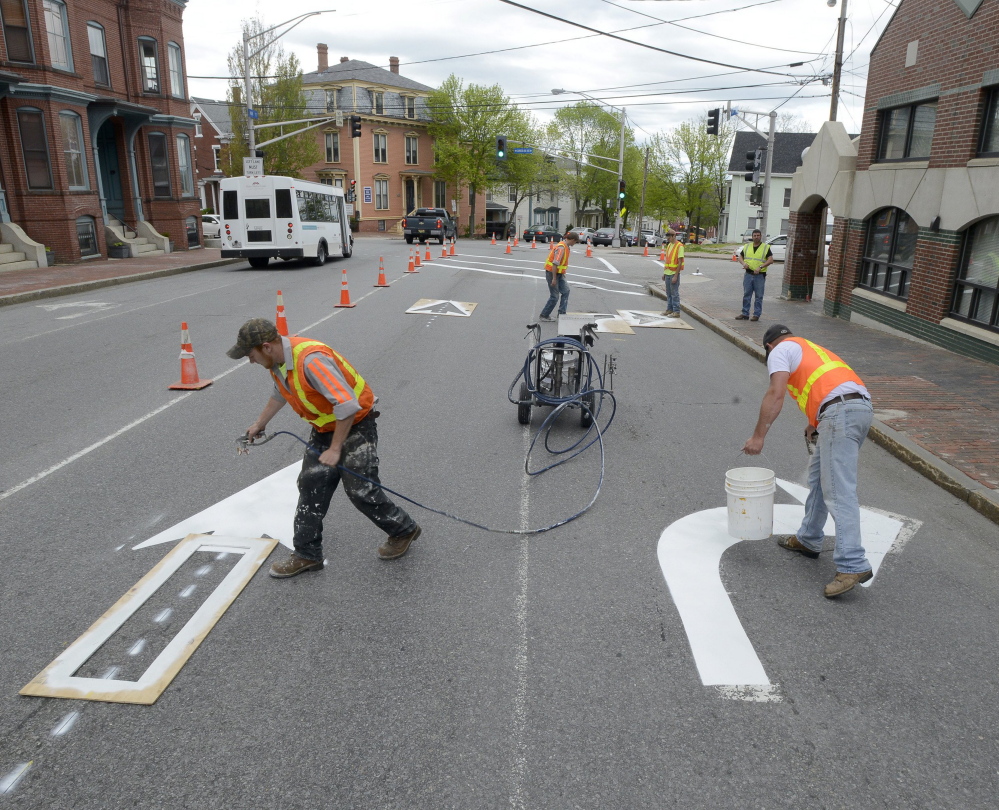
481 670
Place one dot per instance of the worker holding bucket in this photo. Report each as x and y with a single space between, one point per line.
839 412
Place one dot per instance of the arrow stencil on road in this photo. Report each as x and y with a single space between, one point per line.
430 306
655 320
690 552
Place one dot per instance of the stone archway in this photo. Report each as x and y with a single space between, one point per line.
805 249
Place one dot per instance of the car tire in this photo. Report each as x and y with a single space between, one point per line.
320 259
259 262
349 250
409 240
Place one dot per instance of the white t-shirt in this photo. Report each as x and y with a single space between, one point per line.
786 356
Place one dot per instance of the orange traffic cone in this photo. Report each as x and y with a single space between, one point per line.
516 241
534 243
428 258
444 251
412 265
735 257
589 249
280 321
452 245
508 250
494 239
662 254
416 258
189 379
646 249
344 292
381 273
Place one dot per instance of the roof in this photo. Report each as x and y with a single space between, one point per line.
217 112
788 147
354 70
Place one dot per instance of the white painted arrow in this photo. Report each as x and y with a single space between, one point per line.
264 508
690 552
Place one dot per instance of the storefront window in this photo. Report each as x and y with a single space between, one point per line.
890 251
976 291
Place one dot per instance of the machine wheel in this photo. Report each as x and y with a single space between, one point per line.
320 259
586 413
349 250
260 262
524 411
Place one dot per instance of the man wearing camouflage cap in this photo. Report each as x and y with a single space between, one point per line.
328 393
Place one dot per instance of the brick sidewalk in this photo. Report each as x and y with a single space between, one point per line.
936 410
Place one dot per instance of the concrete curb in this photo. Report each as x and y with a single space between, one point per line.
83 286
978 497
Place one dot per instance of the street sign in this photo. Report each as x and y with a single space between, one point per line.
253 167
349 208
338 119
367 195
252 114
523 150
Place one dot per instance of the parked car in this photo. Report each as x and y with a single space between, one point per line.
543 233
603 236
583 234
211 226
649 238
429 223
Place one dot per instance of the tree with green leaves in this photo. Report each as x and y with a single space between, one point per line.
526 175
464 123
277 94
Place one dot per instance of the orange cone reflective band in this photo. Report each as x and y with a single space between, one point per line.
417 258
534 243
381 273
443 251
280 321
412 266
344 292
428 258
452 245
189 379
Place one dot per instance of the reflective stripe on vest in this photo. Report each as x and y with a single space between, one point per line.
672 255
818 373
306 400
749 256
563 258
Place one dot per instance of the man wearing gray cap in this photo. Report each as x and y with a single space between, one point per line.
839 412
328 393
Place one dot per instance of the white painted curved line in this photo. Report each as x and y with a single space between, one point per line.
610 266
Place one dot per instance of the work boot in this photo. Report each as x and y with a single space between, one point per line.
845 582
791 543
294 566
755 318
395 547
546 318
742 317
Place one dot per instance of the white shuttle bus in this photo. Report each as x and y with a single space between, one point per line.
283 218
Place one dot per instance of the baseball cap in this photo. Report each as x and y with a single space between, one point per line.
251 334
774 332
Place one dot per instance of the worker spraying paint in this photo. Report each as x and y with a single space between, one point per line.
329 394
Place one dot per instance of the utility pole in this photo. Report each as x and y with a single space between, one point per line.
838 66
620 177
641 207
766 177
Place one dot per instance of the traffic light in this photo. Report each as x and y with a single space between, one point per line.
501 147
620 190
756 195
754 161
713 116
352 194
355 126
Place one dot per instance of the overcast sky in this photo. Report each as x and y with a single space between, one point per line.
434 38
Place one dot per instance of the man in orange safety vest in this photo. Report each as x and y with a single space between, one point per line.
555 267
839 412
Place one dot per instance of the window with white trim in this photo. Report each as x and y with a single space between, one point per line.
17 31
184 166
378 103
57 26
216 154
412 149
410 102
332 147
98 54
176 70
149 63
34 147
440 194
71 128
159 164
380 141
381 195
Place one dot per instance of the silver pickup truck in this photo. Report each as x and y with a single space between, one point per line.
429 223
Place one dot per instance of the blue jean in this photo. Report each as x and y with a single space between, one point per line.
672 292
561 287
753 284
832 483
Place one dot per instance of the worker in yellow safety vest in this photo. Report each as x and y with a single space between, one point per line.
838 408
672 267
555 267
755 258
328 393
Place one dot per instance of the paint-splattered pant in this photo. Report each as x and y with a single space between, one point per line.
317 483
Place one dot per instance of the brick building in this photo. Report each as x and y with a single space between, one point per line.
915 198
97 144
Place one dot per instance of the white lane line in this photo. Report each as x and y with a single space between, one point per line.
610 266
534 262
10 782
521 660
571 281
65 725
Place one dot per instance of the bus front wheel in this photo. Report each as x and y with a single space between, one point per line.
348 249
320 259
258 261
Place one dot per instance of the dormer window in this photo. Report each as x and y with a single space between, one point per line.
377 102
331 101
410 106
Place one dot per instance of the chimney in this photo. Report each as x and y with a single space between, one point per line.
394 64
237 95
344 59
324 60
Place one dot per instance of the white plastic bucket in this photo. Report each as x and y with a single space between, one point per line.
750 493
